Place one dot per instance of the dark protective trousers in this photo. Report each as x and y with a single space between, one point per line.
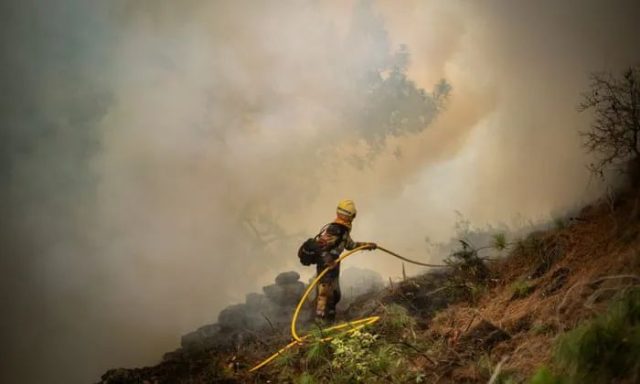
328 296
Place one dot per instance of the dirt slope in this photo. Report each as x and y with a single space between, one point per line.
550 282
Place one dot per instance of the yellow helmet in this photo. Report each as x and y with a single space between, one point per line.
347 208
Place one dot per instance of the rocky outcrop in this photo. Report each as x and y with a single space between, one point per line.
287 290
273 308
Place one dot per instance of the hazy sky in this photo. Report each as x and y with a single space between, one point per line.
159 160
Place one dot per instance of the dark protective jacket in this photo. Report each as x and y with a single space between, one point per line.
334 238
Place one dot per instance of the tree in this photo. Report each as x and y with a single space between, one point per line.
615 132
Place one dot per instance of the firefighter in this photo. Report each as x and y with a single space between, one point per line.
334 238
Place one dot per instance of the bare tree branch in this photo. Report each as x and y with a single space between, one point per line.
614 135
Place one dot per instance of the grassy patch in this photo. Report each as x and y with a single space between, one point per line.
607 347
396 320
602 350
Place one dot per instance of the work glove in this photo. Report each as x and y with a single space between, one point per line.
371 246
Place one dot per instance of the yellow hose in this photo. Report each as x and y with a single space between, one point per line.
352 325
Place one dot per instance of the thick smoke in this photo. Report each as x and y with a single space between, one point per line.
162 159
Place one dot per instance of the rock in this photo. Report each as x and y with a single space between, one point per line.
285 295
285 278
197 337
234 316
255 300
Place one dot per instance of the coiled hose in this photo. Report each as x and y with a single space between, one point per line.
352 326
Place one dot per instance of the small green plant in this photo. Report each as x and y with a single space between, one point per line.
521 289
544 376
499 241
306 378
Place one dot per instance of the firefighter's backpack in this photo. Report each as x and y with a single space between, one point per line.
311 250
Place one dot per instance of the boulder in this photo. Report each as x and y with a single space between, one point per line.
255 300
285 278
234 316
198 337
285 295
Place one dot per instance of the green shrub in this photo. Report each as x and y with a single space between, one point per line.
353 355
468 274
603 350
360 357
466 265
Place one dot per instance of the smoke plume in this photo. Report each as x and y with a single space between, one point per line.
159 160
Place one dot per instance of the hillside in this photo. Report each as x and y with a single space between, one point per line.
479 320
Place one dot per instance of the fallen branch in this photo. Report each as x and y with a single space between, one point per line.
496 372
470 322
591 300
601 279
270 323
